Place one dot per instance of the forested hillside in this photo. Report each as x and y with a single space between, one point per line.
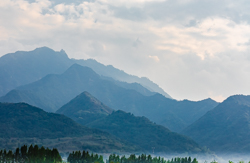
144 133
25 124
226 128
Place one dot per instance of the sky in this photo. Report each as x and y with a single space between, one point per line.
193 49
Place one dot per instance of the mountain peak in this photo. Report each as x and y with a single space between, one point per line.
224 128
76 66
85 108
208 100
44 48
81 70
239 99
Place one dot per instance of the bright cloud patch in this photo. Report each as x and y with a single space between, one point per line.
155 58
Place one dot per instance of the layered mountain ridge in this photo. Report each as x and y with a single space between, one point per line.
144 133
225 128
22 68
25 123
53 91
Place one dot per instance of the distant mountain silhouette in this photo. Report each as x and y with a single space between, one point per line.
141 131
84 109
53 91
173 114
226 128
25 67
22 68
120 75
23 121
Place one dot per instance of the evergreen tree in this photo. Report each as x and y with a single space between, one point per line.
17 155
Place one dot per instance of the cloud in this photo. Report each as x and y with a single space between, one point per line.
155 58
193 49
129 3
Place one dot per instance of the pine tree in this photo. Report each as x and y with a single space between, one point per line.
17 155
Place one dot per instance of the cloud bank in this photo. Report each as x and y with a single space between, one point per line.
192 49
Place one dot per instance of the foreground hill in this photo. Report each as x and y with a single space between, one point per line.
226 128
84 109
141 131
53 91
23 123
22 68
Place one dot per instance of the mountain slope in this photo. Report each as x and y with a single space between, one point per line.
23 121
140 131
53 91
22 68
120 75
25 67
226 128
84 109
175 115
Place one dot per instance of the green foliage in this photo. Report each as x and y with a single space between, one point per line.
214 161
27 123
33 155
144 133
84 157
143 158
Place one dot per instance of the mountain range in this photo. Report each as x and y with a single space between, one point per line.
55 90
24 122
22 68
125 132
226 128
144 133
87 110
133 113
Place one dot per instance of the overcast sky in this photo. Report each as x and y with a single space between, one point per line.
193 49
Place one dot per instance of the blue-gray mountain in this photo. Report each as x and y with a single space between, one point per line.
21 123
144 133
85 109
226 128
21 68
53 91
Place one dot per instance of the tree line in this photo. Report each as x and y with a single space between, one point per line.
113 158
33 154
84 157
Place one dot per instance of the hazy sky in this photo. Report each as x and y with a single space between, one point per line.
193 49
